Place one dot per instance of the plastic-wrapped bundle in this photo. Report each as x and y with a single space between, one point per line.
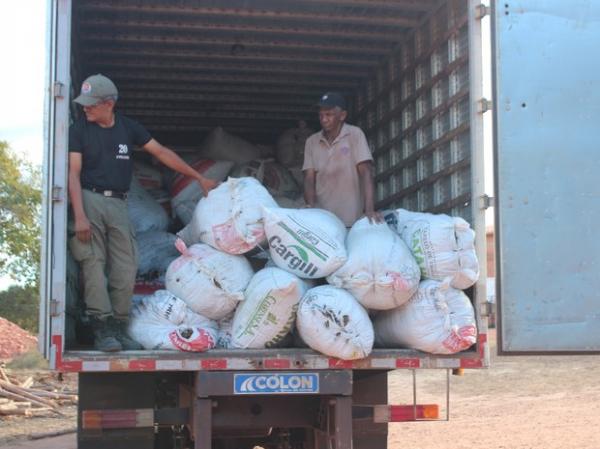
275 177
268 313
163 321
443 246
380 271
210 282
230 217
306 242
156 251
331 321
145 213
438 319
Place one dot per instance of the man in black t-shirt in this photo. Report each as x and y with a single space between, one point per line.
100 172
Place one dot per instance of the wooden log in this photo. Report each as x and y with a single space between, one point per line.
38 436
17 397
4 376
27 383
22 392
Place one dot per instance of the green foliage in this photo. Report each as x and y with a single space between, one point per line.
20 208
21 305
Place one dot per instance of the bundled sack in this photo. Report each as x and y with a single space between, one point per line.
443 246
331 321
275 177
145 213
287 203
380 272
186 191
148 176
438 319
290 145
210 282
306 242
163 321
220 144
268 313
230 217
156 251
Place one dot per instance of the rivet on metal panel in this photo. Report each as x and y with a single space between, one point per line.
57 194
484 105
486 201
57 89
481 11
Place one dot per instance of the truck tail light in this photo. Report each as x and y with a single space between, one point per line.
117 419
400 413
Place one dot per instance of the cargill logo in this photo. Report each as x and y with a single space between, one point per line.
276 383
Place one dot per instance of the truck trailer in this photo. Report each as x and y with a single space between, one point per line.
411 71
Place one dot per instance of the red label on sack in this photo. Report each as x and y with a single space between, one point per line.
182 181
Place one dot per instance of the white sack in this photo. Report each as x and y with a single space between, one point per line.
268 313
148 176
230 217
443 246
210 282
145 213
331 321
186 191
156 251
290 145
275 177
380 272
438 319
220 144
306 242
163 321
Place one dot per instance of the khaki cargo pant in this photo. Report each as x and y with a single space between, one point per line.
109 261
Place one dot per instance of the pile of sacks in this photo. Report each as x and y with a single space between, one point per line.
395 284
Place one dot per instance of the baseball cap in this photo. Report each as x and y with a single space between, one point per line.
95 89
331 100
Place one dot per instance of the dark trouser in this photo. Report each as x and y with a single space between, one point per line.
109 261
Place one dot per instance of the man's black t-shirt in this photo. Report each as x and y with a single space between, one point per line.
106 152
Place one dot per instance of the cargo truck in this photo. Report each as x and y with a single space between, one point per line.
412 73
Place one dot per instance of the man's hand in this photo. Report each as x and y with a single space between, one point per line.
374 217
207 184
83 229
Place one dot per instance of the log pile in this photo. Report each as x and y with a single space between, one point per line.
33 396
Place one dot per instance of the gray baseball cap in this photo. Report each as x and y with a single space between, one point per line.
95 89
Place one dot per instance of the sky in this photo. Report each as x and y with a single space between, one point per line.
22 79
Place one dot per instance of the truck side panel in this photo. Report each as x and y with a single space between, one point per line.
547 89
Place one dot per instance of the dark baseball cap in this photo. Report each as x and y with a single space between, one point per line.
332 100
96 88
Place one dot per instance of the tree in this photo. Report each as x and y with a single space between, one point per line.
20 207
21 305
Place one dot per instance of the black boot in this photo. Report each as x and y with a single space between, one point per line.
104 338
119 328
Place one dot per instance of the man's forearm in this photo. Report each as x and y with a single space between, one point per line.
174 162
310 194
76 196
368 188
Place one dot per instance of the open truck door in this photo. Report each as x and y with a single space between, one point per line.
546 113
54 198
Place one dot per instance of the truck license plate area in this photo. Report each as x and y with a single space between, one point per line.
276 383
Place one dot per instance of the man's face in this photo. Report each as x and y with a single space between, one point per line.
99 112
331 118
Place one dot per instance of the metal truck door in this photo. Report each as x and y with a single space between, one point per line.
547 164
54 208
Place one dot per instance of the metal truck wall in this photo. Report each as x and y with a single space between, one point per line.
416 114
547 110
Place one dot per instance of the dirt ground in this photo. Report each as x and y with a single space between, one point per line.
519 403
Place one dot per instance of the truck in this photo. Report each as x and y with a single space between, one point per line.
411 71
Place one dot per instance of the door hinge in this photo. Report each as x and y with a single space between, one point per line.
487 201
484 105
57 194
57 89
481 11
54 308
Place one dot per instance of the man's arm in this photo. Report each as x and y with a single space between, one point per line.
171 160
365 174
310 189
83 229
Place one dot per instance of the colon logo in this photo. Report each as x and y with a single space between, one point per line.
276 383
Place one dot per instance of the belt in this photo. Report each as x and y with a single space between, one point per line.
107 193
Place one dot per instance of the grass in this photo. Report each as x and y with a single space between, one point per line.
29 360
